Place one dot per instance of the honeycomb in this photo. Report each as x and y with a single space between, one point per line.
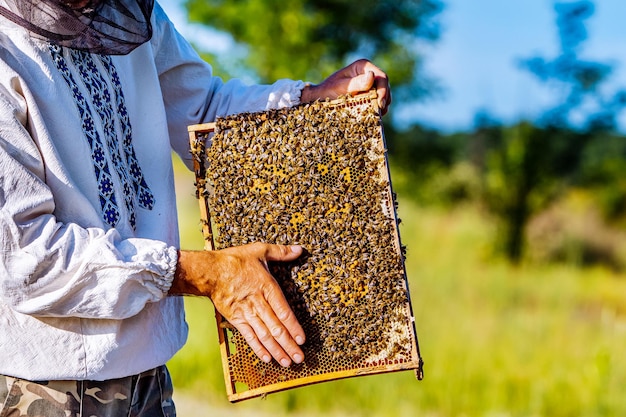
314 175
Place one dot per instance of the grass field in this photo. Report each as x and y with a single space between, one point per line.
497 340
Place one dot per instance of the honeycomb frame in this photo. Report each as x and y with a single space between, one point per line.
355 308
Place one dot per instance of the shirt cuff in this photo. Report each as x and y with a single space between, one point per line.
286 93
164 282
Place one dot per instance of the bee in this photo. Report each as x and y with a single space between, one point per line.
308 159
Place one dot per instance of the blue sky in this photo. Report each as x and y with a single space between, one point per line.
482 42
476 58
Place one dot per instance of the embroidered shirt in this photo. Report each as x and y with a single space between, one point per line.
88 233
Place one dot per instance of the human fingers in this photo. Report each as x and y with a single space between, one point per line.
283 253
274 334
264 340
260 326
264 313
360 83
242 289
278 305
259 323
360 76
380 82
250 336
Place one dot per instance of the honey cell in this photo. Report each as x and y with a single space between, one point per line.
314 175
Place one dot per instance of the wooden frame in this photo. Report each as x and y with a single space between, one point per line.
272 378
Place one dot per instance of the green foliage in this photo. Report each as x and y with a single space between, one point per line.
602 169
306 39
515 173
524 172
573 230
530 164
432 167
523 168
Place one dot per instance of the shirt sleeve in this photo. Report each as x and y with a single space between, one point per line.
49 268
192 94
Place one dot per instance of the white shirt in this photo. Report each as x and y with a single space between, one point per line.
88 223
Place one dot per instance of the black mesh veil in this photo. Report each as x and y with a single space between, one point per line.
113 27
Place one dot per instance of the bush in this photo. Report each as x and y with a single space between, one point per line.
573 231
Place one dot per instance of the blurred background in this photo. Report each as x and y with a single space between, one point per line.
507 145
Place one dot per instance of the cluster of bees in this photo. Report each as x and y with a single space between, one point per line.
315 175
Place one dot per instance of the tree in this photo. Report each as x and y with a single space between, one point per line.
529 164
528 167
308 39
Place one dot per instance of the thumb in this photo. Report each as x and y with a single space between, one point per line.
282 252
361 82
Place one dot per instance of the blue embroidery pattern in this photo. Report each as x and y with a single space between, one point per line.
108 203
146 199
127 168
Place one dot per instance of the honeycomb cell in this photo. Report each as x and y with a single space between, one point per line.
314 175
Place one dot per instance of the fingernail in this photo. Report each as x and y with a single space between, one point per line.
297 358
295 248
383 103
299 340
285 362
266 359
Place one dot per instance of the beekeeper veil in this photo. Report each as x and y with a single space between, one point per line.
113 27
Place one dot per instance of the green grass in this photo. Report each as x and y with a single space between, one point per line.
497 340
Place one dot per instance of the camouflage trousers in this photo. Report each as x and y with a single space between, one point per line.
148 394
